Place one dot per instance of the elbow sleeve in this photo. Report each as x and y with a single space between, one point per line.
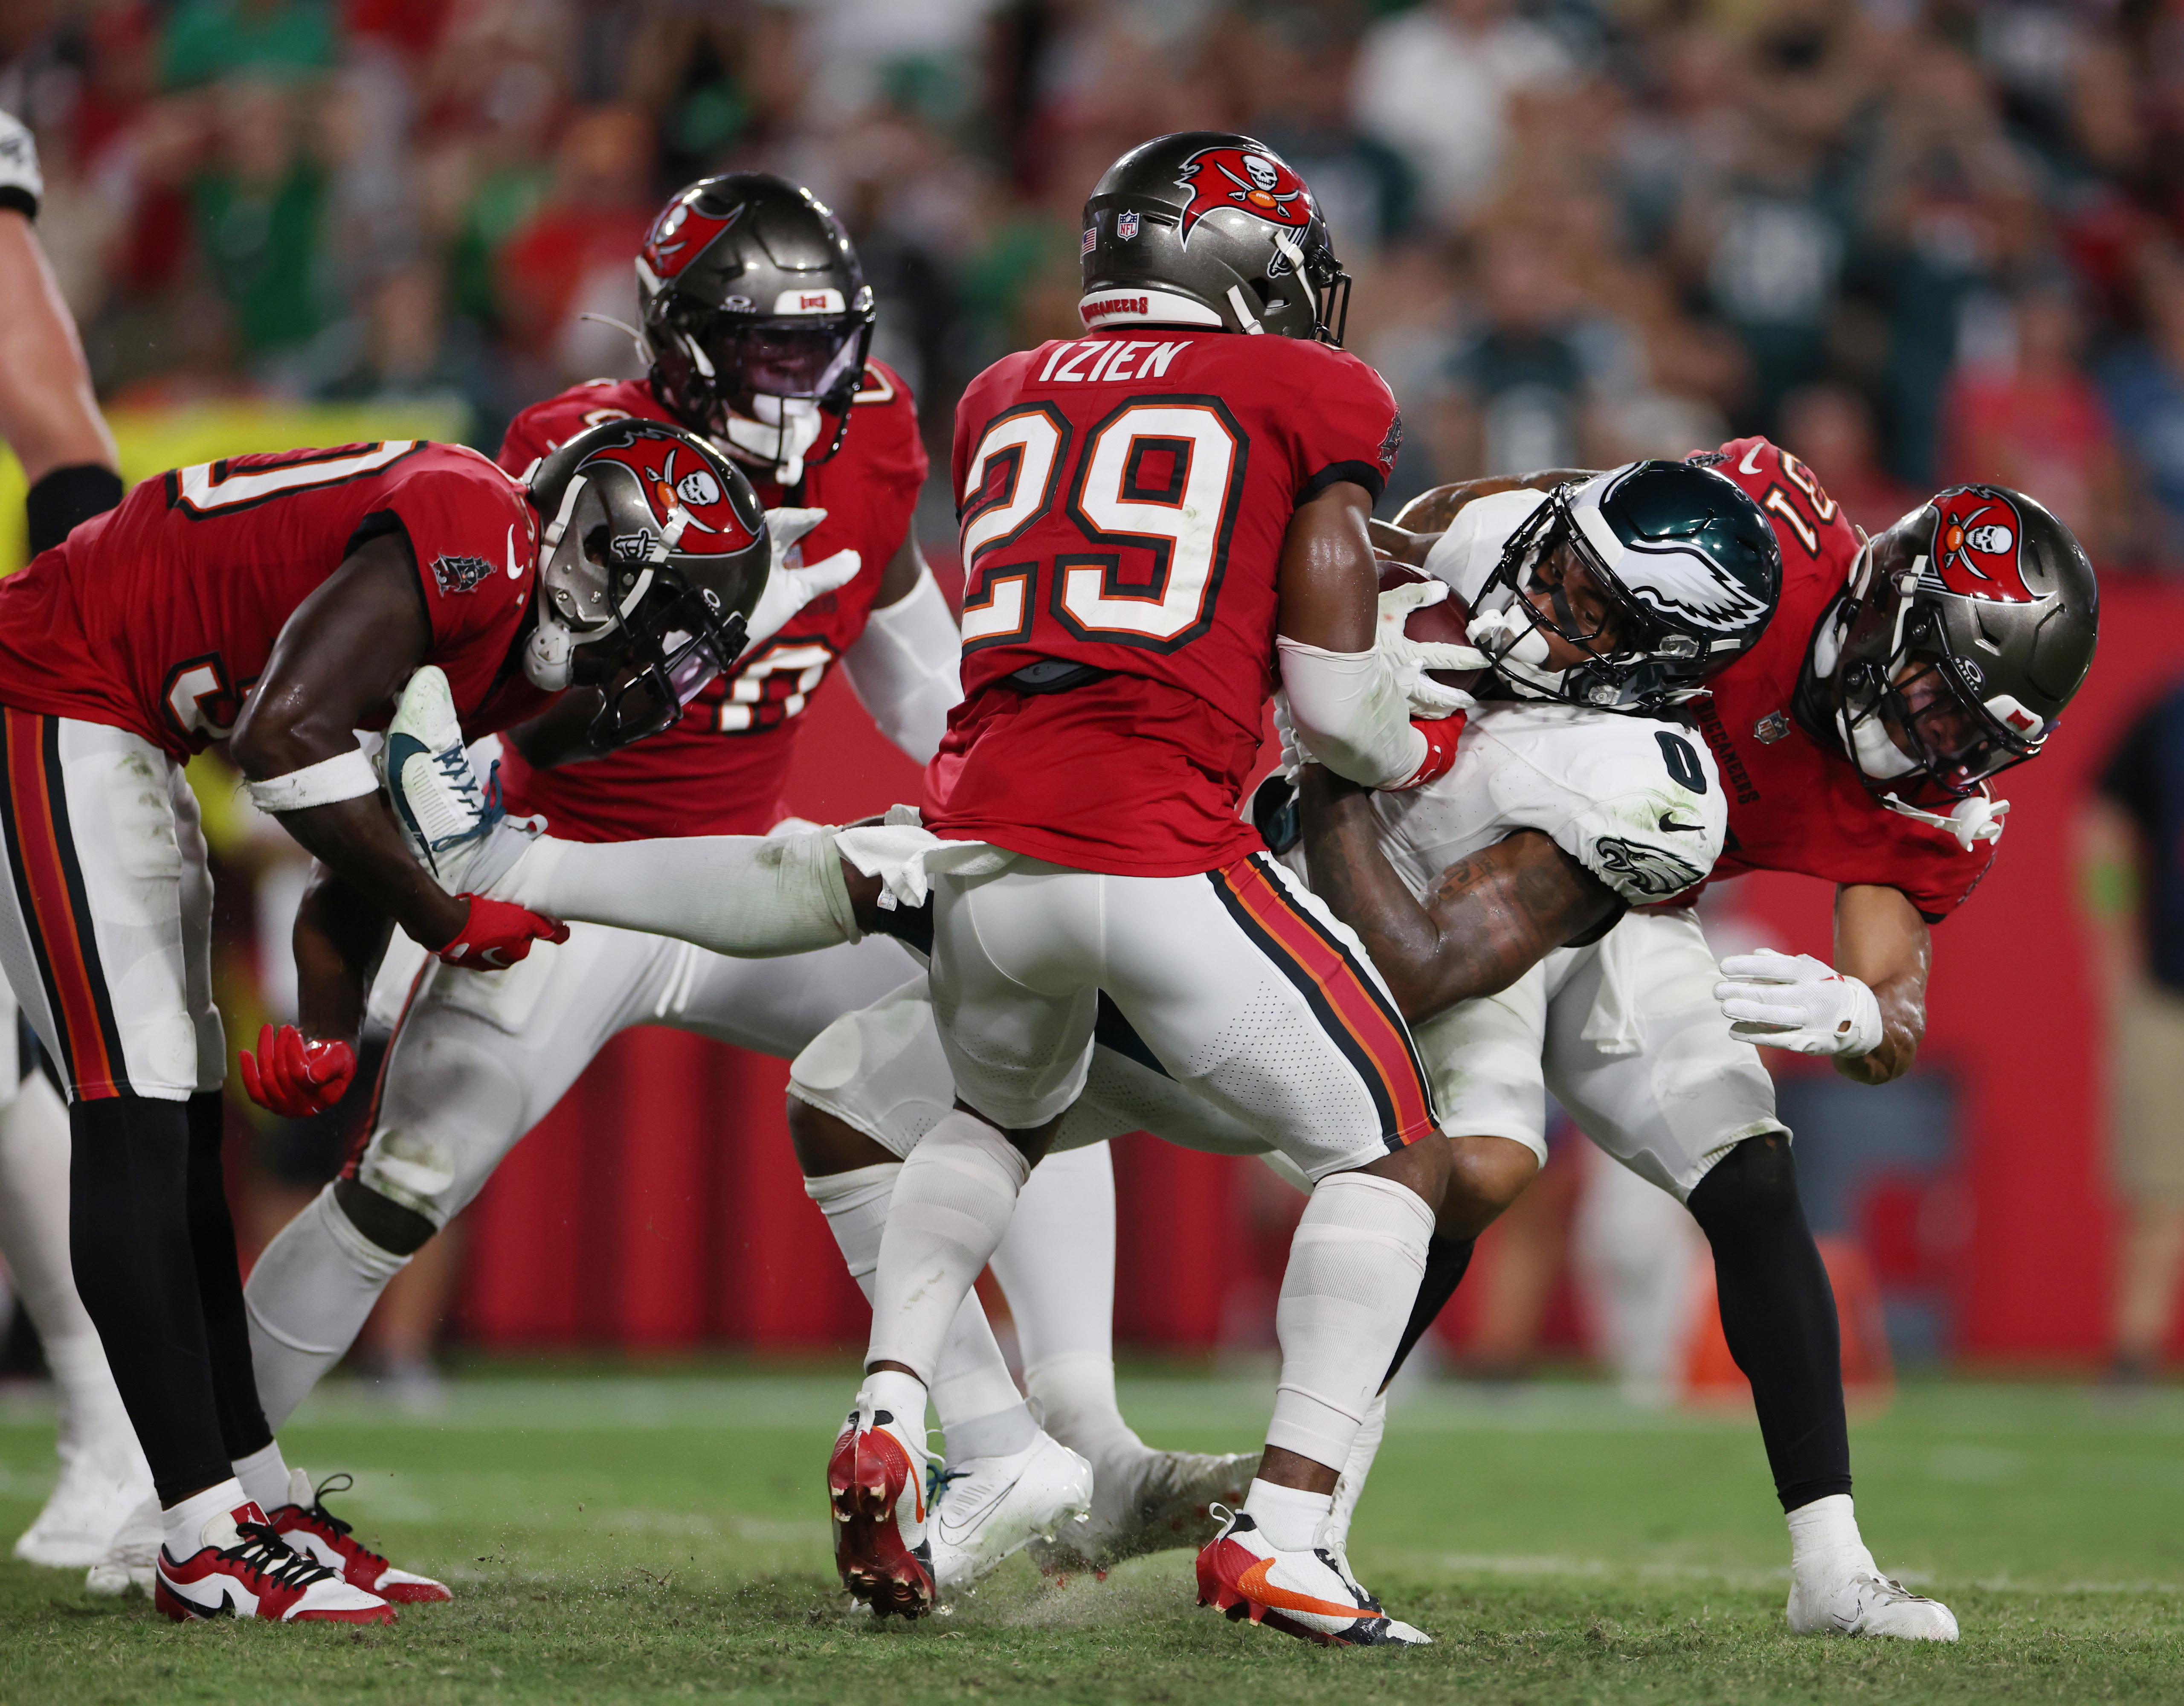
1352 714
906 668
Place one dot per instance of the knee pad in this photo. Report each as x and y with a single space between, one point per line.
1756 1182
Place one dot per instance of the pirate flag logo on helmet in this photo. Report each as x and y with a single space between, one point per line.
1975 546
1247 180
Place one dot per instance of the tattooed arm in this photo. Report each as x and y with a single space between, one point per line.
1410 535
1495 915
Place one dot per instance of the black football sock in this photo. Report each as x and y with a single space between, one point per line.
1445 1260
1778 1313
129 1245
66 497
219 1285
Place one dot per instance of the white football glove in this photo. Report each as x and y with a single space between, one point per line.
1411 658
791 585
1798 1002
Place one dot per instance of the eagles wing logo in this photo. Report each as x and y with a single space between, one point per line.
1640 871
1975 547
1247 180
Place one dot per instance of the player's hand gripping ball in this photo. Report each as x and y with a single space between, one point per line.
294 1075
1423 628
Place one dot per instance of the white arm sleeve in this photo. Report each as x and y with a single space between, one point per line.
906 668
1351 713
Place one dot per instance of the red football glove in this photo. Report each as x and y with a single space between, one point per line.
497 934
294 1076
1441 734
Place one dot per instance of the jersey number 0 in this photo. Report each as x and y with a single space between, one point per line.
1161 477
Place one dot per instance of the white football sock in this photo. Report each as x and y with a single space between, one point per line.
1290 1518
1351 1486
1825 1543
183 1524
749 895
308 1297
977 1403
34 1238
1057 1264
264 1477
952 1203
1353 1273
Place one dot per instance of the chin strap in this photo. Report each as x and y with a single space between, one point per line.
1976 819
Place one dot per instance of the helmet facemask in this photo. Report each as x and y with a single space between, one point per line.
1642 666
1915 717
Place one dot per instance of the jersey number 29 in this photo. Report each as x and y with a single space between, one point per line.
1160 477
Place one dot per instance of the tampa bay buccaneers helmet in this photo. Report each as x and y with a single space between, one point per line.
1965 631
1689 565
756 318
652 551
1210 228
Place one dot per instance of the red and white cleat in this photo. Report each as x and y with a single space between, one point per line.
875 1484
245 1570
309 1527
1301 1593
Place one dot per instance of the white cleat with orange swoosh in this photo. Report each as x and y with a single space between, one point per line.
1301 1593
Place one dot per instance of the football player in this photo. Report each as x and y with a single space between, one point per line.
276 604
1161 520
49 418
756 327
1858 741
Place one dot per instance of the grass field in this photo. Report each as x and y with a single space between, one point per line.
614 1538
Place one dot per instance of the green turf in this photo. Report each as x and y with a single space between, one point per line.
616 1538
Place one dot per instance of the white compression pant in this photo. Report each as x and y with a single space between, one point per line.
1239 982
478 1059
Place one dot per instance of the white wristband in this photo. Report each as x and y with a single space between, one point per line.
347 776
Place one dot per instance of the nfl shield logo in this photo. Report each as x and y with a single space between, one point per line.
1126 228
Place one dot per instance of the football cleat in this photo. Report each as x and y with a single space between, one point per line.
309 1528
132 1557
876 1484
1867 1602
244 1570
1149 1502
102 1482
986 1510
1301 1593
455 826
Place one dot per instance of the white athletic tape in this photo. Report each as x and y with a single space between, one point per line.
347 776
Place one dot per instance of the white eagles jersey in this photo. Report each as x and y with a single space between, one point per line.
21 187
1635 800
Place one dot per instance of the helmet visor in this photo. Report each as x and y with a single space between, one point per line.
772 358
678 643
1956 739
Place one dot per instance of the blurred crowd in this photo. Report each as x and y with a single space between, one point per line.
1916 242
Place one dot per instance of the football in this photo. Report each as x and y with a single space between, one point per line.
1441 624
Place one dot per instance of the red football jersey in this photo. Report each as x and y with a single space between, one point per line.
719 771
1794 803
159 616
1124 497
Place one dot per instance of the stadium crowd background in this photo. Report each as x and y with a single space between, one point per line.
1917 244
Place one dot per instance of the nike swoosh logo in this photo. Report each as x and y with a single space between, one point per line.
1747 466
1669 822
950 1531
514 568
1254 1585
400 749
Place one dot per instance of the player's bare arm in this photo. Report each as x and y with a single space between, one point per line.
47 414
1328 582
1494 915
1410 535
338 940
1881 940
343 655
